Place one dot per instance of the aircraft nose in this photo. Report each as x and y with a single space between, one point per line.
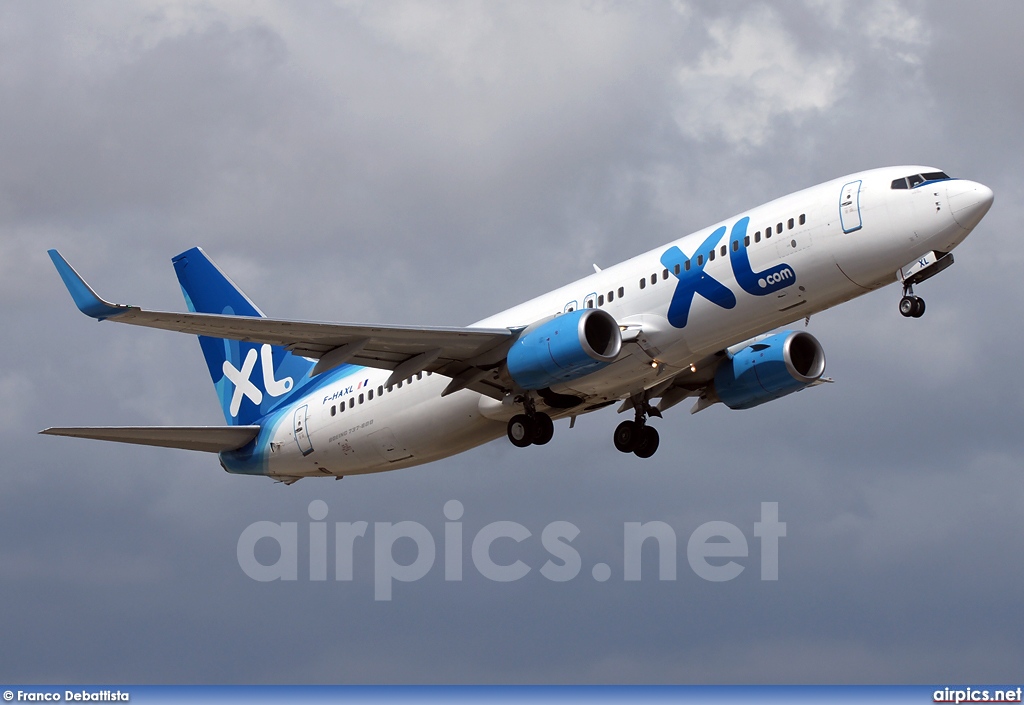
969 201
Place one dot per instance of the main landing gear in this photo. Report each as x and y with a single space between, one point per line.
532 428
637 437
911 306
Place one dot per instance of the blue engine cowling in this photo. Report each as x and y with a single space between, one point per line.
565 348
770 368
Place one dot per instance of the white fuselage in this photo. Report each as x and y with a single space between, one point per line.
840 239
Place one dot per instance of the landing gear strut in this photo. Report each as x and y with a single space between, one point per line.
911 306
636 436
532 428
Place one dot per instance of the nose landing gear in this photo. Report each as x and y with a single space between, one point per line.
911 306
916 272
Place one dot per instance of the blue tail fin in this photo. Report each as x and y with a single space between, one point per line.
251 379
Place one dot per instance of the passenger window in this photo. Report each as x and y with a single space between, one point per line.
361 399
746 241
419 375
757 236
611 296
654 278
664 274
778 228
334 410
600 300
790 223
711 256
767 233
351 403
735 245
380 391
400 383
686 265
341 407
621 291
723 250
643 283
369 395
700 260
676 269
803 219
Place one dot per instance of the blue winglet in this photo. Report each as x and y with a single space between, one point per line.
85 298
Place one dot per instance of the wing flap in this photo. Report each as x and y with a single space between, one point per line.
209 439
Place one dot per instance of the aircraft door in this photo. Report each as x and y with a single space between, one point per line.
302 431
849 207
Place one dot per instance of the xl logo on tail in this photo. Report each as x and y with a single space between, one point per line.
242 379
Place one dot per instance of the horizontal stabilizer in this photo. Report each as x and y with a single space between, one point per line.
209 439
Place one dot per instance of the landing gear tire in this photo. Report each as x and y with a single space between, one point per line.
627 436
543 428
911 306
521 430
918 308
908 305
648 442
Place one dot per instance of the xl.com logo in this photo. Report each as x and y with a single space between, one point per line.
693 278
776 278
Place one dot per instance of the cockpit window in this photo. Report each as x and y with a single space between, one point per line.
915 180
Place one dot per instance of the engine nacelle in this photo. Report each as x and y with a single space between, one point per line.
769 369
565 348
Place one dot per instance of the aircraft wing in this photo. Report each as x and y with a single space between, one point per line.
210 439
404 349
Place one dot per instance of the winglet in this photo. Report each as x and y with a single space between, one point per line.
85 298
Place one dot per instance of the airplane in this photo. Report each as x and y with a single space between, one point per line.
690 319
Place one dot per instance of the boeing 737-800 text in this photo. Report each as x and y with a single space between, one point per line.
689 319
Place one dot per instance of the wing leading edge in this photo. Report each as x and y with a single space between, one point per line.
404 349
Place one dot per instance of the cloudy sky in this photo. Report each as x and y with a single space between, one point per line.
434 163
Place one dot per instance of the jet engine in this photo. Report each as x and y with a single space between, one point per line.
769 369
564 348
